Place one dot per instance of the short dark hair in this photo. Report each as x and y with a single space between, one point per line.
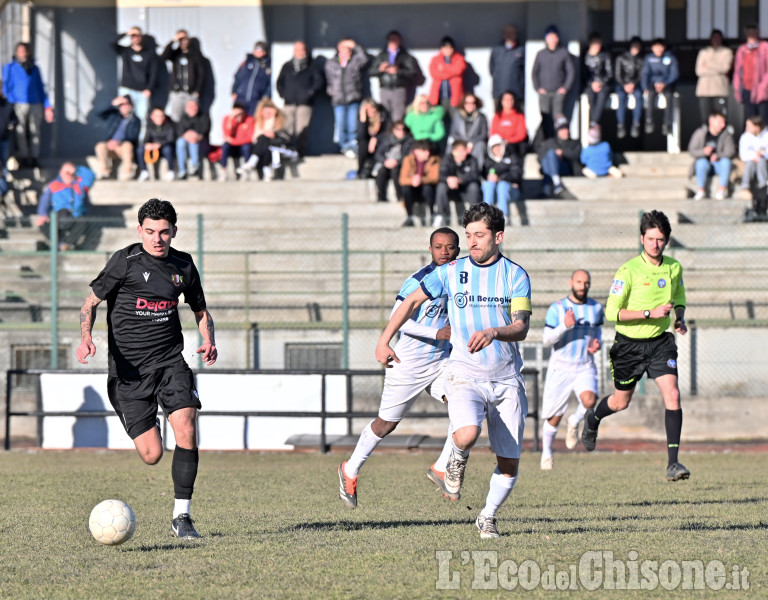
717 32
595 37
756 120
490 215
157 210
457 142
448 41
716 113
128 99
239 106
24 45
446 231
422 145
658 41
635 40
655 220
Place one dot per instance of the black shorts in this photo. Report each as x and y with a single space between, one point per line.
136 400
630 358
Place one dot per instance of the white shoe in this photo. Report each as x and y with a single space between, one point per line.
700 195
144 176
170 176
547 464
349 153
588 173
720 194
438 221
268 174
572 435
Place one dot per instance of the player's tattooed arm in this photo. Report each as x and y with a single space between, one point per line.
88 315
205 324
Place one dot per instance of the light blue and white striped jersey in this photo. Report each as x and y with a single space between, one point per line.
479 297
415 351
572 345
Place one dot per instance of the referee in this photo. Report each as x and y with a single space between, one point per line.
142 284
644 293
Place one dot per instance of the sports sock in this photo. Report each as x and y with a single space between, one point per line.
365 445
457 450
578 416
673 422
180 507
556 181
445 455
602 411
500 489
548 433
184 472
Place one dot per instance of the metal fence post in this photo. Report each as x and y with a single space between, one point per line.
54 235
200 270
345 288
694 368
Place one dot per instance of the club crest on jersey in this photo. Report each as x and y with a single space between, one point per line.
662 283
433 310
461 299
176 279
672 363
617 287
146 275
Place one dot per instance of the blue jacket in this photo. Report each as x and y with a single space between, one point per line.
24 86
60 196
253 81
660 69
112 117
598 158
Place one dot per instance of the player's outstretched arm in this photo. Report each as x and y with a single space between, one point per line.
516 331
384 354
205 325
87 318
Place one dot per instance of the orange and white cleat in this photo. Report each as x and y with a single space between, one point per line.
438 478
347 488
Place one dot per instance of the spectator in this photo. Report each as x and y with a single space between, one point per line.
553 77
503 174
187 72
140 70
750 75
192 139
447 70
660 73
508 122
597 156
507 65
629 70
459 182
271 142
419 175
753 150
67 196
344 80
559 157
298 83
398 72
713 64
426 122
253 79
23 86
597 76
159 141
389 158
122 139
7 127
469 124
238 129
373 123
712 146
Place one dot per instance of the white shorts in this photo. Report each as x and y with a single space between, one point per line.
562 379
503 403
402 388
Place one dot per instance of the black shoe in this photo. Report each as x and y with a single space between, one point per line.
649 127
409 222
635 131
621 131
564 194
182 177
665 129
676 472
182 528
589 435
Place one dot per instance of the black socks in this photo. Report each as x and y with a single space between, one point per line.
673 422
184 472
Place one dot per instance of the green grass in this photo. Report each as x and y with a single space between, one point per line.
273 526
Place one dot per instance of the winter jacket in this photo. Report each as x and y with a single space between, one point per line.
187 70
113 118
452 72
389 146
712 68
8 119
597 67
140 68
300 87
510 126
629 69
23 84
470 128
430 176
408 73
507 66
253 81
571 151
467 172
750 145
509 167
725 148
242 133
660 69
597 158
553 70
160 134
345 84
760 91
427 126
200 124
60 196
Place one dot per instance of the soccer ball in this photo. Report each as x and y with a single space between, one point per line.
112 522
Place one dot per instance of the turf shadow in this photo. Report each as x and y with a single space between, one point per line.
360 525
158 547
757 500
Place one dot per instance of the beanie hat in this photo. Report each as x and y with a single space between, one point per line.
551 29
561 122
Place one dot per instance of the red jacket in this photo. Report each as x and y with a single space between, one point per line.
453 72
510 126
242 133
760 91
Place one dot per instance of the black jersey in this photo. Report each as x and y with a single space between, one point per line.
142 294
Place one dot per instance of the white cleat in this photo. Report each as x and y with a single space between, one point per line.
572 435
547 464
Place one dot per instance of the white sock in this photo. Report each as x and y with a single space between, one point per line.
500 489
445 455
578 416
556 181
275 159
180 507
548 433
253 160
457 450
365 445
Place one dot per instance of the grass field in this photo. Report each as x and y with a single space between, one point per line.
273 527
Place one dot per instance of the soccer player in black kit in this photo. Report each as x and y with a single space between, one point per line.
142 285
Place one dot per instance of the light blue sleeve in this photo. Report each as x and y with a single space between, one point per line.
553 316
432 284
409 285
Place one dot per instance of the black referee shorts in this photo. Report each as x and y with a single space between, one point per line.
630 358
136 400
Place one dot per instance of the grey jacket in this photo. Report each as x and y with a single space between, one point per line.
725 148
345 84
553 70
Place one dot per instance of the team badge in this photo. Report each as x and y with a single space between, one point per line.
460 300
672 363
433 310
617 287
176 279
662 283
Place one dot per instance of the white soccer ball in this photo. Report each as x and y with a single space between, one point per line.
112 522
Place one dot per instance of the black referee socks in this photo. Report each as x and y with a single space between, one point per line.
184 472
673 422
602 410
